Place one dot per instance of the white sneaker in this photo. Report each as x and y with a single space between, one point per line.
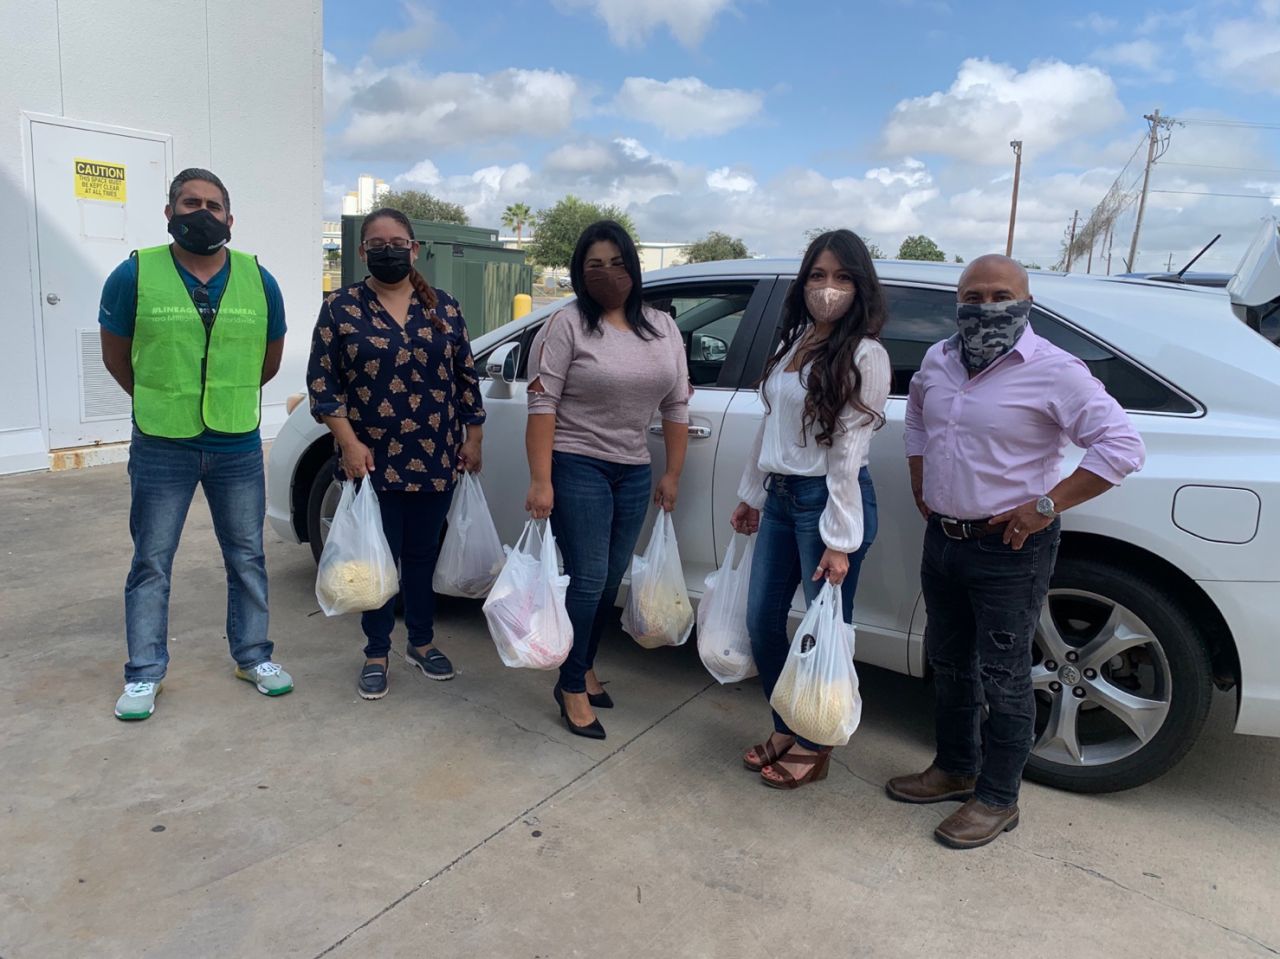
138 701
270 679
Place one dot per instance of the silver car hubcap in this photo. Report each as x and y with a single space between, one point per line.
1101 678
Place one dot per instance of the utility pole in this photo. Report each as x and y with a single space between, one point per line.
1108 243
1071 241
1155 122
1089 267
1013 205
1169 266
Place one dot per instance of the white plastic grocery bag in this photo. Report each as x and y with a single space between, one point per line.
525 609
723 643
357 571
658 611
471 555
817 692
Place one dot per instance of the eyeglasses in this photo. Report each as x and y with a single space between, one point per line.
398 243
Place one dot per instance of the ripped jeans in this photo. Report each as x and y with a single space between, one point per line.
983 601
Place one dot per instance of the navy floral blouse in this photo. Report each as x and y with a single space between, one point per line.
407 392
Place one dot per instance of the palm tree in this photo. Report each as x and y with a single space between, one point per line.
516 216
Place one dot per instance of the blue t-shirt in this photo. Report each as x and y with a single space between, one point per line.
119 310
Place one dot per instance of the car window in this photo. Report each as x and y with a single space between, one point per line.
918 318
709 316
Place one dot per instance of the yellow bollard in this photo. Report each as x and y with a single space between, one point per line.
522 305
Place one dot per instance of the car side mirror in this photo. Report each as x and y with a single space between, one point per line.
707 349
502 366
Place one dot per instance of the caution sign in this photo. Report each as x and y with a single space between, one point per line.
96 180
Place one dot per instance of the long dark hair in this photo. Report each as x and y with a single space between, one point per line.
833 381
420 285
613 232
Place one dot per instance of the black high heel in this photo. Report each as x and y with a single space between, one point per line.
600 700
592 731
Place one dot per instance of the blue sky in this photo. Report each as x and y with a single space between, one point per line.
766 118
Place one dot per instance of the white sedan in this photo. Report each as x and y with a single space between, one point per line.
1165 588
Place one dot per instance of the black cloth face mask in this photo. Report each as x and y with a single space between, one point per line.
388 265
200 232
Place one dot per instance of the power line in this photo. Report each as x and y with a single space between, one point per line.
1243 196
1231 123
1215 166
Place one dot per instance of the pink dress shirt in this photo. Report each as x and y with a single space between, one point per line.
996 441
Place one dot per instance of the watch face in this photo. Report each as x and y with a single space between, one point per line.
1044 506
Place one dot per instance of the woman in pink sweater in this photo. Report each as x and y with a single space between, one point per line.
599 371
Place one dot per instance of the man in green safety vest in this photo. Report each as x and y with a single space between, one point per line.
192 331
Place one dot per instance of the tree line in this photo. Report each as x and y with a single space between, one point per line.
555 230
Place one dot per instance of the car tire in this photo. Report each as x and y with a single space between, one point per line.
320 484
1172 667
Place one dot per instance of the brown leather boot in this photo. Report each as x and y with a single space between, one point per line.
976 824
932 785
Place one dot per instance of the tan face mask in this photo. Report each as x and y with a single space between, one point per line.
826 303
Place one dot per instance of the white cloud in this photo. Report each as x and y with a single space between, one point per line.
685 106
423 174
990 104
630 22
1143 54
421 30
399 111
1098 23
1243 52
729 180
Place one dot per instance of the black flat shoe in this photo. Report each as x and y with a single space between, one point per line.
592 731
434 665
373 681
600 700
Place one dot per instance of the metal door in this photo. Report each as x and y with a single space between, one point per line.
99 194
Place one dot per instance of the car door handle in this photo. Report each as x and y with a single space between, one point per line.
695 432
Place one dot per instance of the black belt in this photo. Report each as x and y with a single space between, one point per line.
965 529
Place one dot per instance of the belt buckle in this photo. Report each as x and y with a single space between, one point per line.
949 524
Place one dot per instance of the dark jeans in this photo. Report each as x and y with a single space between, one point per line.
413 523
599 509
983 600
162 479
788 552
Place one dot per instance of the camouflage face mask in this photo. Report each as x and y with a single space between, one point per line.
990 330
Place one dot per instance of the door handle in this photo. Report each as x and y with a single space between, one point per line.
52 299
695 432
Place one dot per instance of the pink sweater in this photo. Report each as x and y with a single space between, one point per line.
605 388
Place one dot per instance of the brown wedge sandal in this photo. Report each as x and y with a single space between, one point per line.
770 754
818 764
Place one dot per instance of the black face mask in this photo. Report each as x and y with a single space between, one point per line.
200 232
388 265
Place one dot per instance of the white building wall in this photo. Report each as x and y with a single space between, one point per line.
238 96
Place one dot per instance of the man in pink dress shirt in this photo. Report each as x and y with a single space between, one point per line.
988 419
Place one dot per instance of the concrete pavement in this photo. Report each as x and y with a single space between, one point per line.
461 819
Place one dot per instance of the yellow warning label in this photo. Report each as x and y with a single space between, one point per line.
99 181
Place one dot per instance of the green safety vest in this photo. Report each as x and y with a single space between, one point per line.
187 379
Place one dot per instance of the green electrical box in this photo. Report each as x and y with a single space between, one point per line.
467 262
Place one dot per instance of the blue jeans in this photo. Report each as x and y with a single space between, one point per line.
983 601
787 554
600 507
413 523
162 479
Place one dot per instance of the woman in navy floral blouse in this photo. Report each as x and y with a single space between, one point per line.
392 376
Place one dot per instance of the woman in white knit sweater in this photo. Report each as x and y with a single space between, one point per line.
805 487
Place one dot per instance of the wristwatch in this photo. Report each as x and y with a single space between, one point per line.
1046 508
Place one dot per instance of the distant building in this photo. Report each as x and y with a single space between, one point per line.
366 197
653 255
